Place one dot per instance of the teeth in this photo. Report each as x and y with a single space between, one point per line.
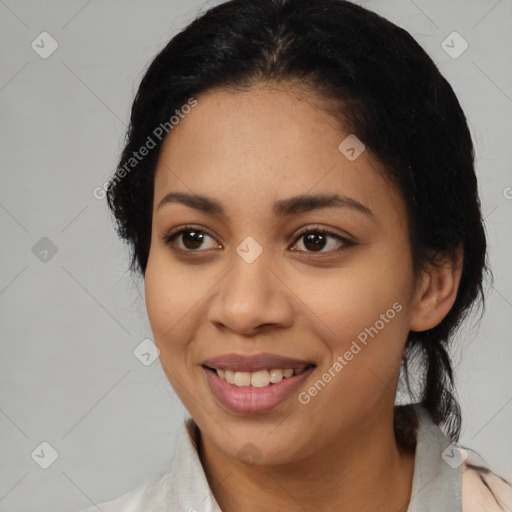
260 378
242 378
276 375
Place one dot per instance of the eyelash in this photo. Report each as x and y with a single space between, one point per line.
168 239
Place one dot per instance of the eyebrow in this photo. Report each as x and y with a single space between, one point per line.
281 208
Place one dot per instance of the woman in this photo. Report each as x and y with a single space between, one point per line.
309 231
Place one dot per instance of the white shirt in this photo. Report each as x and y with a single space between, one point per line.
440 482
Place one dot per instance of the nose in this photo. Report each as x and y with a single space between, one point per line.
251 298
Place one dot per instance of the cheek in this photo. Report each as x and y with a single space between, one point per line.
348 300
170 296
360 313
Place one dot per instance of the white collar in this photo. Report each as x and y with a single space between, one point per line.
436 484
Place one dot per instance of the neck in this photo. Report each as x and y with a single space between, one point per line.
362 470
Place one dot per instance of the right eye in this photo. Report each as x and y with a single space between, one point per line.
190 237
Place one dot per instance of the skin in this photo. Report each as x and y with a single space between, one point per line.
247 150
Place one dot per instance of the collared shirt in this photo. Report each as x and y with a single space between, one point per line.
446 478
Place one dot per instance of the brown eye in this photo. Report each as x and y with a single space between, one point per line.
192 239
316 240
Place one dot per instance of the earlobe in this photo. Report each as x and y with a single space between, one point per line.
437 292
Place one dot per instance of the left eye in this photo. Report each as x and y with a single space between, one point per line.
191 239
315 240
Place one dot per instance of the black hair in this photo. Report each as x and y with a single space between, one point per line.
381 85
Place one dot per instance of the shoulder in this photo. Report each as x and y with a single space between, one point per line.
483 490
465 483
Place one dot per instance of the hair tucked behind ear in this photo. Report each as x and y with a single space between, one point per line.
437 397
381 85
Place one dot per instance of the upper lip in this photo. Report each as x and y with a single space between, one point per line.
239 362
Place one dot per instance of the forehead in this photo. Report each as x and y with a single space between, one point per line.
267 143
265 122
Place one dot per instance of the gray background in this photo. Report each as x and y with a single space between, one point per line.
69 325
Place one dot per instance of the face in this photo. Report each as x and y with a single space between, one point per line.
254 271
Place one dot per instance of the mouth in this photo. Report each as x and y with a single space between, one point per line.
256 392
260 378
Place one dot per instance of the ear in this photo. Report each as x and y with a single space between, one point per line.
436 292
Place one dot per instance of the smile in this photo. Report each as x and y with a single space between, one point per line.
255 392
258 379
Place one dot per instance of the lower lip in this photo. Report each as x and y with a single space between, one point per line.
251 400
